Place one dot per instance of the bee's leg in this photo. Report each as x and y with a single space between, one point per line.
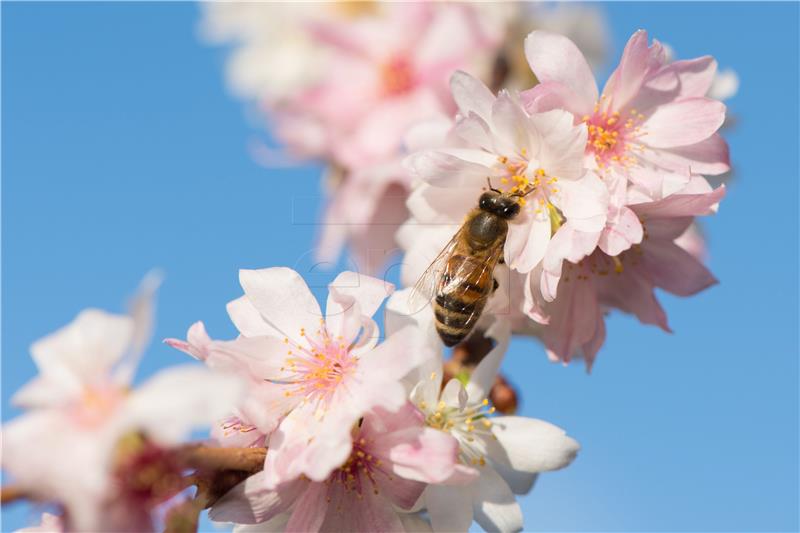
494 287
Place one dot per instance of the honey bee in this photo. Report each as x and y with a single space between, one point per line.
461 278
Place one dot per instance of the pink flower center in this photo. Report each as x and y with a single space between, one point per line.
601 265
614 137
535 187
97 404
319 368
357 474
397 76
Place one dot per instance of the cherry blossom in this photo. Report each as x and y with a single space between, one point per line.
393 457
83 405
310 378
653 122
537 155
574 321
499 456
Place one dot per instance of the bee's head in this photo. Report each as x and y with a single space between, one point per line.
499 204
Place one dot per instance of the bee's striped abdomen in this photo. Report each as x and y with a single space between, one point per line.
460 301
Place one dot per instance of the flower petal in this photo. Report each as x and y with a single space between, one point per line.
282 298
178 399
250 502
495 507
449 507
554 58
471 95
683 123
351 296
533 445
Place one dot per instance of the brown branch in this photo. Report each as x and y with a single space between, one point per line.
250 460
11 494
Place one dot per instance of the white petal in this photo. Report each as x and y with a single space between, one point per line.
450 507
283 299
86 348
350 296
178 399
471 95
482 378
496 508
533 445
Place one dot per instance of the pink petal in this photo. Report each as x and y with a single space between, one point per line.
450 168
683 123
627 79
536 235
709 156
675 270
282 298
554 58
549 95
247 319
625 231
310 510
681 205
696 75
351 296
250 502
372 513
632 293
471 95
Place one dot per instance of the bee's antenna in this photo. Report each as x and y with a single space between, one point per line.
523 195
489 181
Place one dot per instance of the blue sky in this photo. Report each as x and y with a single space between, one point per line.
123 151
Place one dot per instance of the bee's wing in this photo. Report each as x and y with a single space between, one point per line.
428 283
471 275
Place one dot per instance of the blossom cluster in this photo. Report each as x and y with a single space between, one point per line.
363 435
348 418
609 185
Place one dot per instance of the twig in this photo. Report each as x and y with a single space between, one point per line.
11 494
250 460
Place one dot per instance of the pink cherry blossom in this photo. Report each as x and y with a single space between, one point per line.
539 155
574 321
652 123
310 378
392 459
82 404
499 456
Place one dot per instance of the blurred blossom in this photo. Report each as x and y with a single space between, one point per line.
310 378
83 405
393 457
725 85
50 523
499 456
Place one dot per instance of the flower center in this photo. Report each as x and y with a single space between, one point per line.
600 264
97 403
317 369
534 187
614 137
358 472
397 76
465 425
